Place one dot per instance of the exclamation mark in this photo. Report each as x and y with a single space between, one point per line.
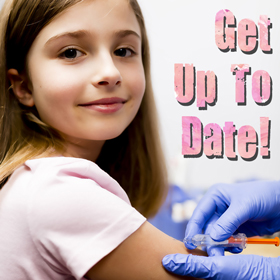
265 137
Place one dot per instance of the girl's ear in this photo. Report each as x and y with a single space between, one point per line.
20 88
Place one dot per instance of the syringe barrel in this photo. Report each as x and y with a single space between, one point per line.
203 240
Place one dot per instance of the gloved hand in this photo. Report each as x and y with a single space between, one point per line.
251 207
234 267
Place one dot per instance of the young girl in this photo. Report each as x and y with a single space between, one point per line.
76 100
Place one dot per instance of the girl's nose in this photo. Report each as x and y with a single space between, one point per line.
107 74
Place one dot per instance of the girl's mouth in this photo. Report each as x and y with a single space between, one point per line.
105 105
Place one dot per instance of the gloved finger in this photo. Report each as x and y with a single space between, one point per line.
187 240
234 250
213 201
212 220
215 251
233 267
228 223
187 265
190 246
203 212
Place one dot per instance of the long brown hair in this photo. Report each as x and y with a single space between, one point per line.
134 158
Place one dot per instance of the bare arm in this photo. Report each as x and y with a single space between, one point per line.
139 257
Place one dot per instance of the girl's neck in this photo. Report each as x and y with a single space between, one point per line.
86 149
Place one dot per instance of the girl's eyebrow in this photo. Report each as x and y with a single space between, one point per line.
124 33
83 33
74 34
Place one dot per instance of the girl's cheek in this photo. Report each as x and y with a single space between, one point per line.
140 82
136 77
59 84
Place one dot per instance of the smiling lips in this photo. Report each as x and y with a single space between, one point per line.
105 105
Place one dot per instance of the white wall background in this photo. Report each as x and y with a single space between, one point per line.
182 31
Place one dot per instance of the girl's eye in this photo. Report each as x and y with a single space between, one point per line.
71 53
124 52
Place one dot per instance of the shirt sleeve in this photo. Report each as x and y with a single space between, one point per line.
74 222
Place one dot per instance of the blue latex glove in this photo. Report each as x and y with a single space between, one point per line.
234 267
252 208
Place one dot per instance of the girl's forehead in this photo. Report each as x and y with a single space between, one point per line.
100 10
95 15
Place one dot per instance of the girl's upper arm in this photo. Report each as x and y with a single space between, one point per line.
139 257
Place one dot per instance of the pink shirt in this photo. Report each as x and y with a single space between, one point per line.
58 217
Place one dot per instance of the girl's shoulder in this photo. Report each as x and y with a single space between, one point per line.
70 170
60 162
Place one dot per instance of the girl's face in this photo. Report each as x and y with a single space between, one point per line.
86 73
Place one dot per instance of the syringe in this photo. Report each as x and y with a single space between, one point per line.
239 240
